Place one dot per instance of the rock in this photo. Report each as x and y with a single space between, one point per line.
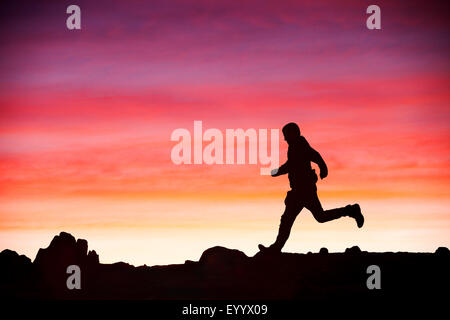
10 257
92 257
353 250
219 257
64 239
65 250
442 251
17 276
52 263
323 251
82 247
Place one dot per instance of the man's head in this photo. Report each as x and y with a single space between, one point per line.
291 132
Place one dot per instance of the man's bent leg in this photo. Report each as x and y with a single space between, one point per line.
313 205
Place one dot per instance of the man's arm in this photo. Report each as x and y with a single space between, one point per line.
317 158
281 170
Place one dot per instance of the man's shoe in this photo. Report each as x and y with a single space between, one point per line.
357 215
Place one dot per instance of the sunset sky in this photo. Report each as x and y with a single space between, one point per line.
86 118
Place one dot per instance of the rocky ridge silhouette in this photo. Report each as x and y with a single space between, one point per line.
223 273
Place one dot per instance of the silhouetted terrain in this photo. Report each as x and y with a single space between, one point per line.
223 273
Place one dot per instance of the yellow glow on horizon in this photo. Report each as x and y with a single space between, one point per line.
160 232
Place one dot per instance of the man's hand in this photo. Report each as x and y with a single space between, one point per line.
323 174
274 172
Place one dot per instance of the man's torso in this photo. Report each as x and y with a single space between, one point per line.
301 176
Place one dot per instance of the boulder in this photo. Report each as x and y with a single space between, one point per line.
442 251
220 257
353 250
52 264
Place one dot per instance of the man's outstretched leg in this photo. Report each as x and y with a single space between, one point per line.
352 211
291 212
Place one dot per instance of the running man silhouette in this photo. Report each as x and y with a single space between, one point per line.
303 193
